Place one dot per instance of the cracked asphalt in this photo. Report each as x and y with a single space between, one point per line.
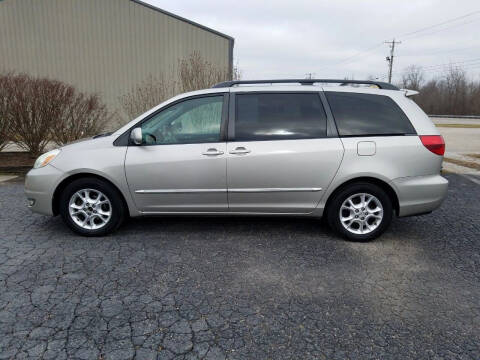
241 288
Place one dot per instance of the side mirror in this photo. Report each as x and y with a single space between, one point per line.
136 136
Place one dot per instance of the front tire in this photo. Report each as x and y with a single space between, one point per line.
91 207
360 212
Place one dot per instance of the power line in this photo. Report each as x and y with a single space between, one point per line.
438 52
440 24
357 54
353 57
452 63
465 67
420 33
440 30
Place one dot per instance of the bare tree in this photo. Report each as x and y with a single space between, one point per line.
149 93
193 73
429 97
81 116
4 118
236 73
455 84
42 110
31 112
474 97
449 94
196 73
413 77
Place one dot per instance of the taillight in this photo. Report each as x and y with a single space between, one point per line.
434 143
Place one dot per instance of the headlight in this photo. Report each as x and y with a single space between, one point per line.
45 158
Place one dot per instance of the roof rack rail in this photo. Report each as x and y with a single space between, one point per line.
381 85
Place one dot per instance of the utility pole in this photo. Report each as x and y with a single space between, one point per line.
390 58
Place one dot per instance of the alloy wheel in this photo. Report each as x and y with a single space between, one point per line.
90 209
361 213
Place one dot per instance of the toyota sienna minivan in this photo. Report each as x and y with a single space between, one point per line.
357 153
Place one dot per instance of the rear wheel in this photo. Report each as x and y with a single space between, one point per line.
91 207
360 212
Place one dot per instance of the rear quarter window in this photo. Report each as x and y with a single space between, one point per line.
367 115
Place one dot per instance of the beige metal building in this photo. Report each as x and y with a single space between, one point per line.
102 46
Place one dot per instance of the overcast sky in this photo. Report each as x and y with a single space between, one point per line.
287 39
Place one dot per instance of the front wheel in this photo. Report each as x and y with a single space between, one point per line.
360 212
91 207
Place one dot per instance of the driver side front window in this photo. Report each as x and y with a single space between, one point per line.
195 120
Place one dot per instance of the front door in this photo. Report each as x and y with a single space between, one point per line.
181 164
280 159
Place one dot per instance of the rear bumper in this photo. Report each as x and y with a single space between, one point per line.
39 188
420 194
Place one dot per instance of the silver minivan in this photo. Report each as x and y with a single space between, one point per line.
356 153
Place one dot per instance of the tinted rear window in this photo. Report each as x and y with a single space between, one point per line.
366 114
279 116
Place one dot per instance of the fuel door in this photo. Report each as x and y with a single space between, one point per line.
366 148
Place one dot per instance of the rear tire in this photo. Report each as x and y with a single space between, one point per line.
360 212
91 207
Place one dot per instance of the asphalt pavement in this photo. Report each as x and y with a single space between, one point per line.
241 288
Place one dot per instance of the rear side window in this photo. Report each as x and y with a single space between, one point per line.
365 114
279 116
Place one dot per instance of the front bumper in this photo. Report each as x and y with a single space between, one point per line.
40 185
420 194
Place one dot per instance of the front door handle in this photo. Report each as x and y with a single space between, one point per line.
240 150
212 152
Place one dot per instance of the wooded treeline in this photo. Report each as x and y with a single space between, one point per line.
450 94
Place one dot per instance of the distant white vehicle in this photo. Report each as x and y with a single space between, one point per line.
357 155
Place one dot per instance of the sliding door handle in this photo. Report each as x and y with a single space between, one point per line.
239 150
212 152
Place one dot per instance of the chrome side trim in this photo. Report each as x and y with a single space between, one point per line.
180 191
252 190
225 213
261 190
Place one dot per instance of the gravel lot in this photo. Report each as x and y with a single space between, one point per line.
241 288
